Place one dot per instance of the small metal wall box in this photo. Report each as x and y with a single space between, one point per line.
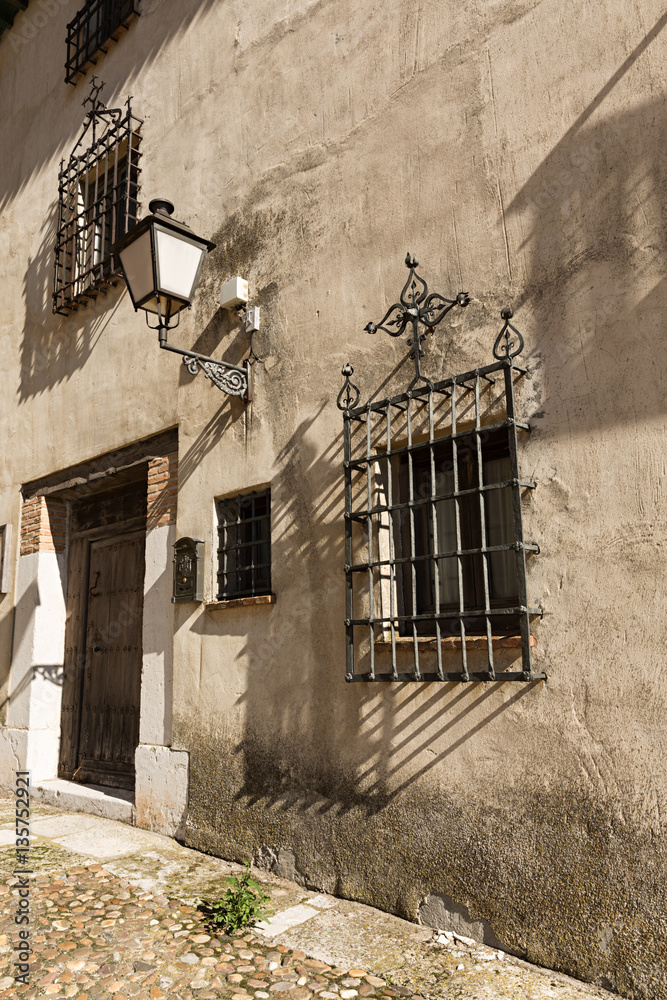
188 577
234 293
252 319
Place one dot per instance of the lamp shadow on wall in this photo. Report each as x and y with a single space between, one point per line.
54 347
595 212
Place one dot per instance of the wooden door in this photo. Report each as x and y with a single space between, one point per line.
100 729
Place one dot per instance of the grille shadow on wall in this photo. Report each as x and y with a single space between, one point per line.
310 742
53 348
153 32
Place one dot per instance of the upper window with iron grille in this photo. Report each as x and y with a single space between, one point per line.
97 203
244 545
88 33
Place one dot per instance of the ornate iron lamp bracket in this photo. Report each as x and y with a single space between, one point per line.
235 380
417 307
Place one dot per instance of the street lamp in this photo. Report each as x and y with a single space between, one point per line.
161 261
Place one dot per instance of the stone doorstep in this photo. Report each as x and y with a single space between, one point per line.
110 803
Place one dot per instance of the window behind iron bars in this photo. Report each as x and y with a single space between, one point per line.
92 27
435 554
244 545
97 203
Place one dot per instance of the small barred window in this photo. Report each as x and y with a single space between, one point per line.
244 545
97 203
97 23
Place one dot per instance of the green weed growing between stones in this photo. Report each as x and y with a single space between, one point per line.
241 906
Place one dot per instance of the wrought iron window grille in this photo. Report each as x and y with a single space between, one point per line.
244 545
98 189
435 556
91 29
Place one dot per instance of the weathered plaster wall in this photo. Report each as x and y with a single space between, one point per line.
517 148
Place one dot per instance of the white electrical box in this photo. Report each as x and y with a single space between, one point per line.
252 319
234 293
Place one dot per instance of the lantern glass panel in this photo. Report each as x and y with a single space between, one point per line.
178 264
137 261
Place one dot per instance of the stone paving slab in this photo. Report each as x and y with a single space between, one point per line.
114 914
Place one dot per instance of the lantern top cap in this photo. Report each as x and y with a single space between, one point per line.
161 206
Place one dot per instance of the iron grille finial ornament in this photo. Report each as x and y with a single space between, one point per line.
349 395
510 348
416 306
93 98
98 112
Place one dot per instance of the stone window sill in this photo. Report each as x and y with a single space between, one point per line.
241 602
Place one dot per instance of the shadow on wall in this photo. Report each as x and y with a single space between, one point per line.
55 347
596 212
24 614
310 740
159 24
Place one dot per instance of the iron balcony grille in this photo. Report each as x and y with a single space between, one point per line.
244 545
434 547
98 192
98 22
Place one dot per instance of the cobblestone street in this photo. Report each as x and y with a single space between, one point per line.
113 913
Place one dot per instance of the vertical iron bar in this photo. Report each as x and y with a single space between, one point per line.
392 565
411 512
434 525
115 228
70 229
88 256
95 213
482 521
349 597
369 530
253 538
517 515
104 216
127 173
465 676
59 276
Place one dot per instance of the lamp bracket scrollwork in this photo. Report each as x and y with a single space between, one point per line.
233 381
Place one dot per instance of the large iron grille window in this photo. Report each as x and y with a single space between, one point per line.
97 23
97 203
244 545
435 553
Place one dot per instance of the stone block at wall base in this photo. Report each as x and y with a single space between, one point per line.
34 750
161 796
13 755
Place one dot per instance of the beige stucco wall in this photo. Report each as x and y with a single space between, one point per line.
517 149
